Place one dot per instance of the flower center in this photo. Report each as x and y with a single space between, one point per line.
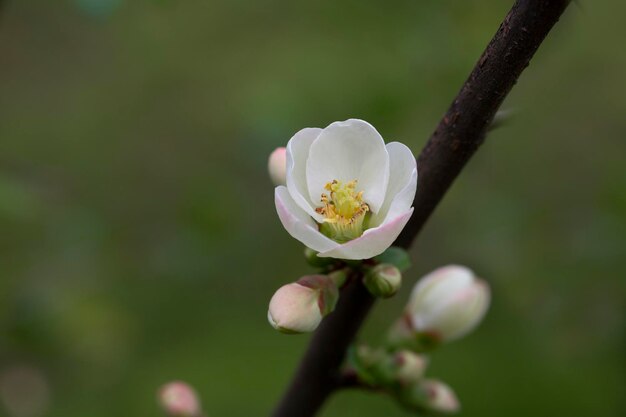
344 212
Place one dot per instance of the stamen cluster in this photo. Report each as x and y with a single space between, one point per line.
344 211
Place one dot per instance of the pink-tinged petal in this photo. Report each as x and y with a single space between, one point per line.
297 154
346 151
373 242
299 224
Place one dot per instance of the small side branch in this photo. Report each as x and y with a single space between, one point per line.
458 135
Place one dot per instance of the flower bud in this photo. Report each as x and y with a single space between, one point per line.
430 395
383 280
379 367
300 306
371 365
277 166
24 391
179 399
410 366
447 304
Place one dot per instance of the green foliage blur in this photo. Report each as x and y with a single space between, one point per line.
138 237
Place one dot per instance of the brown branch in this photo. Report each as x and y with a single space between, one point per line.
458 135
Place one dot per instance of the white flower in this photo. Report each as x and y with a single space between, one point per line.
348 195
448 303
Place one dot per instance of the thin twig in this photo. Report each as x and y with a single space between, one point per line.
458 135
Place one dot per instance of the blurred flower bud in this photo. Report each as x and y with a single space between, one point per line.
380 368
24 391
277 166
179 399
430 395
410 366
372 366
300 306
383 280
447 304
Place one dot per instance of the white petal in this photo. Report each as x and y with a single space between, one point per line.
402 183
435 288
299 224
373 242
441 282
457 316
297 154
346 151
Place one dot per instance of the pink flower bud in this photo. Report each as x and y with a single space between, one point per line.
300 306
448 303
179 399
277 166
410 366
24 391
436 396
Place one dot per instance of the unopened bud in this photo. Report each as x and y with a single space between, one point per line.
24 391
277 166
447 304
370 365
410 366
179 399
300 306
383 280
430 395
379 367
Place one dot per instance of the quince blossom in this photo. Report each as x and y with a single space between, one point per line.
348 195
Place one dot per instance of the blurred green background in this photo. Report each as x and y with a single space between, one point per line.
138 237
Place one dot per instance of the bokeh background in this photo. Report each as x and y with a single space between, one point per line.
138 237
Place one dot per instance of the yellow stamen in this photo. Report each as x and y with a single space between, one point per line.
344 211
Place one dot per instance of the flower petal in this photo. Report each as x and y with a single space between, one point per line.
428 293
402 184
346 151
373 242
297 154
298 223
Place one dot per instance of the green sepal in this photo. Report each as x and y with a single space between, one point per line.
363 360
326 288
396 256
426 342
402 336
315 261
418 343
383 280
328 298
